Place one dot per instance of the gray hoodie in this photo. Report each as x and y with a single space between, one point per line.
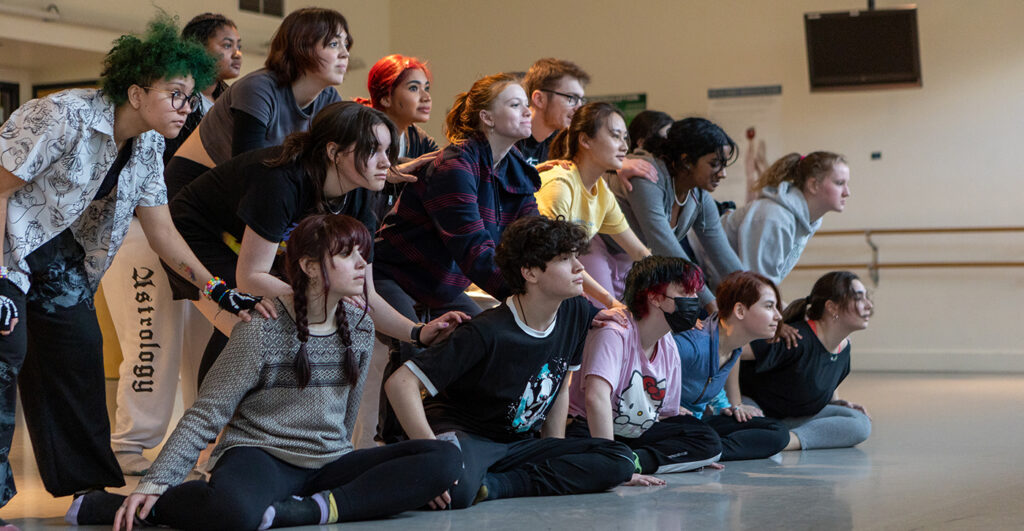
768 234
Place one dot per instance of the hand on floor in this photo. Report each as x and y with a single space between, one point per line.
640 480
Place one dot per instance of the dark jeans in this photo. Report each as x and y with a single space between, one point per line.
756 438
540 467
370 483
55 355
675 444
388 428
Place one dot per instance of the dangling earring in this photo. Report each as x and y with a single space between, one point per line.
835 317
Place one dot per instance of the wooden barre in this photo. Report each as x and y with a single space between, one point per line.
937 230
910 265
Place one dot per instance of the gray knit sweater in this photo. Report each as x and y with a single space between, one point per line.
252 389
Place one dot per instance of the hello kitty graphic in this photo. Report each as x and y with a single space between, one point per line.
638 405
540 392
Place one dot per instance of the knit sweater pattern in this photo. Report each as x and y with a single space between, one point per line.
253 390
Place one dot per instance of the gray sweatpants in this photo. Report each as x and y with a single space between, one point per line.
832 427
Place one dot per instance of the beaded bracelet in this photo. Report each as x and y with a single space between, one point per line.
4 272
210 284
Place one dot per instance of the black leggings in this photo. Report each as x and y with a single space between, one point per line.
370 483
674 444
540 467
756 438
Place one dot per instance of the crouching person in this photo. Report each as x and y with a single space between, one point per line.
629 387
496 386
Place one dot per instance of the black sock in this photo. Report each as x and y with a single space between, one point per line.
296 511
99 508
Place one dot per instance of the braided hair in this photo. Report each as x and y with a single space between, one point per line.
318 238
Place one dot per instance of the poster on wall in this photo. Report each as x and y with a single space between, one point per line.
629 104
752 117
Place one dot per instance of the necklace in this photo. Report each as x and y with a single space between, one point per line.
338 202
522 312
683 202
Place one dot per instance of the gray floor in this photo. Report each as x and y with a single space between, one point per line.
945 454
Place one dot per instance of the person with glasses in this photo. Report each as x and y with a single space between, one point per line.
146 389
797 384
769 233
555 90
74 167
594 143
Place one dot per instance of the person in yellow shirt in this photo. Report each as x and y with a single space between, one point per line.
594 143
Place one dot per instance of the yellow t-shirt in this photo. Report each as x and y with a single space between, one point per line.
562 194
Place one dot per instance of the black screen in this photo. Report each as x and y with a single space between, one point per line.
858 48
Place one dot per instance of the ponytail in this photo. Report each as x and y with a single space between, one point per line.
463 121
456 126
293 147
798 169
836 286
560 146
795 311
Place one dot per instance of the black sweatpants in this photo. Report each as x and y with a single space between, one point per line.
756 438
370 483
540 467
388 428
674 444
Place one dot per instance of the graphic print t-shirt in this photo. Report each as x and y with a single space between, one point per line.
642 389
496 377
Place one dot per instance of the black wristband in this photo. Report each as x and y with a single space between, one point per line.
414 334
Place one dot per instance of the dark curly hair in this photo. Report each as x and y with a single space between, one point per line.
533 241
688 140
652 275
202 27
159 54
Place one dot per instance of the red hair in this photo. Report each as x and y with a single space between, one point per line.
743 287
387 73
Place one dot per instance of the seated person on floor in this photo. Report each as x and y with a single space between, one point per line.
285 392
495 387
628 388
798 384
749 311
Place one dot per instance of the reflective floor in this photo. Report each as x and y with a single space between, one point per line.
945 453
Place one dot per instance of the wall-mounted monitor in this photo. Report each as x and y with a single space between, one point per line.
860 49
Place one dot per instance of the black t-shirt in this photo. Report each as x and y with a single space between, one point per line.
271 201
534 151
495 379
796 382
110 179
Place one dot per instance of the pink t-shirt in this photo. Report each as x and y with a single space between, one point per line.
642 389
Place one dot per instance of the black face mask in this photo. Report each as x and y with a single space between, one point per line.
685 316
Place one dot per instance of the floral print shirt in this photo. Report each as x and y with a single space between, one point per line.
62 147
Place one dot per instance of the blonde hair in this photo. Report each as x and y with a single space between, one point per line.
797 169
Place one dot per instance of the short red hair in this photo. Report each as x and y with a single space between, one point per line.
743 287
386 74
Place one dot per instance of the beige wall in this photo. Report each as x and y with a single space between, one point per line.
948 148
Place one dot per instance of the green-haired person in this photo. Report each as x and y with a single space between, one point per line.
74 167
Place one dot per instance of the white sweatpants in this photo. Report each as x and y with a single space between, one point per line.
159 338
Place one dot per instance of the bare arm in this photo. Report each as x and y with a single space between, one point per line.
593 289
554 424
255 259
403 390
165 241
599 408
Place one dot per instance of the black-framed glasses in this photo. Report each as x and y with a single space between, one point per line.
179 99
573 99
